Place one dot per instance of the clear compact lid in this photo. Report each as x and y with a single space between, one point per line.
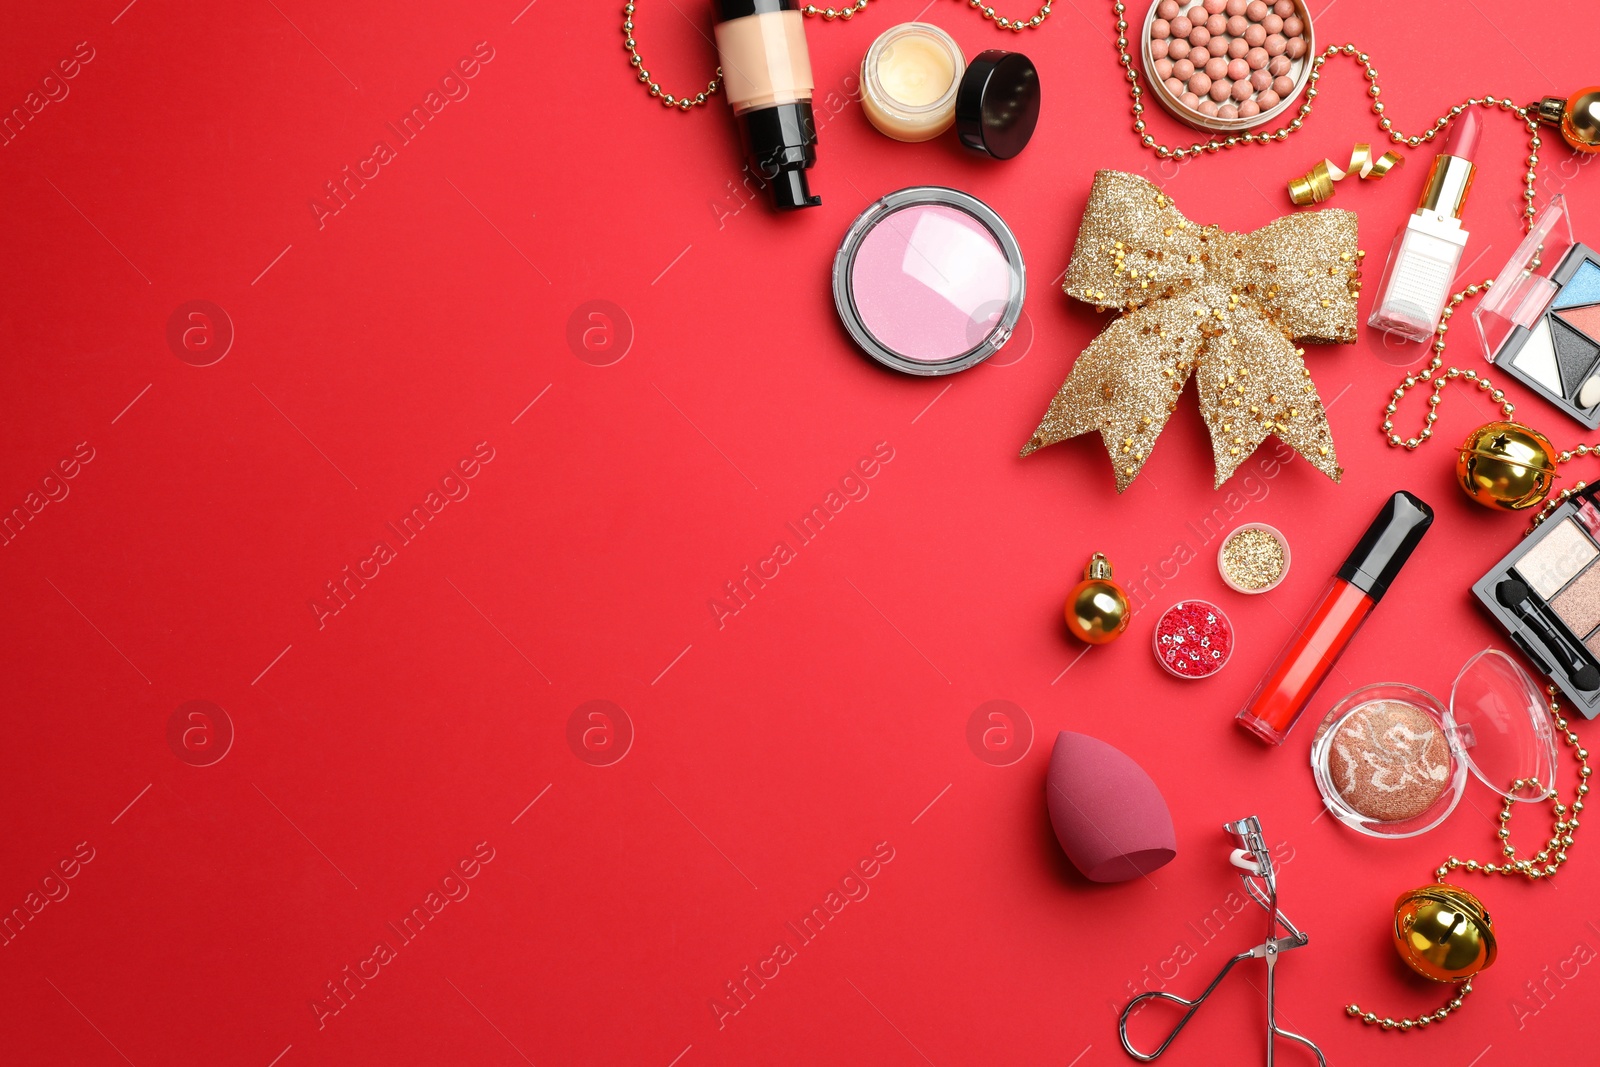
1523 289
1503 727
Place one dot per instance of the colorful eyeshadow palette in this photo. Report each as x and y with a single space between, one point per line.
1559 355
1546 594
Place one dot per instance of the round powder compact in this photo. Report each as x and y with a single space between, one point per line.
1389 760
929 281
1254 558
1193 639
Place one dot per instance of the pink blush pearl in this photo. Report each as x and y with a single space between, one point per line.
1214 7
1178 49
1207 108
1256 36
1158 49
1296 47
1237 48
1164 70
1199 36
1283 8
1199 57
1160 30
1167 9
1200 85
1236 7
1221 89
1239 70
1278 65
1180 26
1272 24
1256 58
1227 111
1183 70
1293 27
1276 45
1175 87
1256 10
1249 109
1267 100
1242 90
1237 24
1259 79
1216 68
1283 86
1190 101
1217 25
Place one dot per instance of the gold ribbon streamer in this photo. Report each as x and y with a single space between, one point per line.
1224 306
1316 184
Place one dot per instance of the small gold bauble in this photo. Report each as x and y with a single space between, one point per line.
1097 608
1580 120
1443 933
1506 465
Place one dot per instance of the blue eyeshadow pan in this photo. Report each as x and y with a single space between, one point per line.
1582 288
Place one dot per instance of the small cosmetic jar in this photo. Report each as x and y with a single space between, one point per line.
915 85
909 81
1193 639
929 281
1390 760
1227 65
1254 558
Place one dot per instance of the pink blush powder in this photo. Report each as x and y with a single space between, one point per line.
930 282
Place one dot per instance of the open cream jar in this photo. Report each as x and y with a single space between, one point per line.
909 80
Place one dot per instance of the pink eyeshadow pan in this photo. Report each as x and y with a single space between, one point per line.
929 281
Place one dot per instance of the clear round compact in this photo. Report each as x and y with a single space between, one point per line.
1391 760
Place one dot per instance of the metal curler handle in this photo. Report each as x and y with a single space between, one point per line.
1192 1005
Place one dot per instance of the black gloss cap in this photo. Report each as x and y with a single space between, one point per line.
997 105
1387 544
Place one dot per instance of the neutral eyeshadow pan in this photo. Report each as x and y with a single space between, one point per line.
1558 556
1579 603
1389 760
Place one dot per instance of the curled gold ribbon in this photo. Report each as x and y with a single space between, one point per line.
1316 184
1225 308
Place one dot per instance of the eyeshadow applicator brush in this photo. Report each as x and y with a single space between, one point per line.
1516 596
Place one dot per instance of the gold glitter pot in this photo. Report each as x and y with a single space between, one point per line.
1254 558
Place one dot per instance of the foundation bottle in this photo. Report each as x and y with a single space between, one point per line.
766 72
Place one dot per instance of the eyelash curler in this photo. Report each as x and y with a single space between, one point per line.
1261 882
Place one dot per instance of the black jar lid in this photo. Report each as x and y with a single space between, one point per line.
997 105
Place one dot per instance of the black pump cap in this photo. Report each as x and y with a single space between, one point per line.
997 105
1387 544
781 142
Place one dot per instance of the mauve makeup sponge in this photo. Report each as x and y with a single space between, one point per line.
1108 815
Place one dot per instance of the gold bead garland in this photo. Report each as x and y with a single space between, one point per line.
1544 864
827 14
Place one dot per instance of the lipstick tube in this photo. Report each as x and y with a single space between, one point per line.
1422 263
766 73
1322 637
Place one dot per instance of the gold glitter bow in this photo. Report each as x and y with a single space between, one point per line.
1227 306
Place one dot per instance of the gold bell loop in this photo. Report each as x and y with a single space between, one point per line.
1443 932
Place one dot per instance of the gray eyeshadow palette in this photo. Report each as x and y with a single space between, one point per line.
1559 356
1546 594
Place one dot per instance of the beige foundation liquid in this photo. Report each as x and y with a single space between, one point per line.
766 72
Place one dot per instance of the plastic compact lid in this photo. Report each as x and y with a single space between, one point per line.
929 281
1524 289
1502 726
997 106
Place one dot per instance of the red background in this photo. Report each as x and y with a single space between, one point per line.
769 755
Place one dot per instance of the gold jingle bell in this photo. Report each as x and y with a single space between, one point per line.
1097 608
1443 933
1506 465
1577 117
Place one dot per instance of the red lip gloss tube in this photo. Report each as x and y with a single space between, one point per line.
1321 639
